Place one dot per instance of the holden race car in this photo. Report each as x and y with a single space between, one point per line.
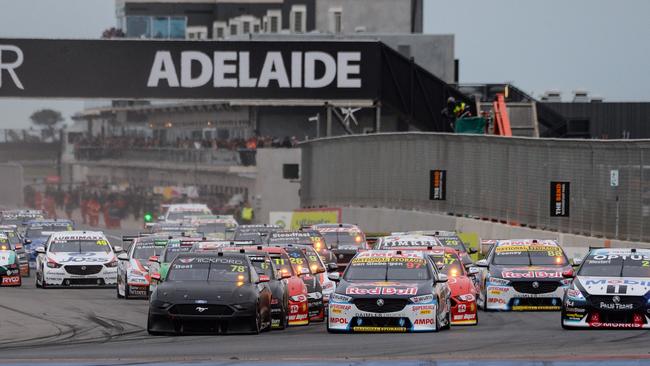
133 277
9 264
258 234
610 290
210 293
160 265
298 301
76 258
38 231
464 310
447 239
390 291
18 243
181 211
524 274
344 240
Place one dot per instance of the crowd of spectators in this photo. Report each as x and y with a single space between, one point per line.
124 142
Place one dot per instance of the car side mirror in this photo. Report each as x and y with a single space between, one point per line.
576 262
334 276
332 267
568 273
472 251
40 250
473 271
155 276
482 263
442 278
264 278
27 241
153 258
118 249
123 257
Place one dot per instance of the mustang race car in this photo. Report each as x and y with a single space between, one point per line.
210 293
524 274
76 258
464 310
389 291
344 240
611 290
9 264
133 278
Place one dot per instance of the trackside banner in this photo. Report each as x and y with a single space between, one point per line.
189 69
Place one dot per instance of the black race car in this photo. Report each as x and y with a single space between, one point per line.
258 234
305 237
211 293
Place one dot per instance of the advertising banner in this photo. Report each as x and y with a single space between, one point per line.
560 199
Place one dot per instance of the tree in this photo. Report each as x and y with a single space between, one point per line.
48 119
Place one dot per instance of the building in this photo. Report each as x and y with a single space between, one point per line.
219 19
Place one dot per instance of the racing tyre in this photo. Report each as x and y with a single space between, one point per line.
284 319
269 321
151 332
38 285
126 290
118 291
257 322
448 317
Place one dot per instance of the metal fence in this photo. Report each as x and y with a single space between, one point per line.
172 155
488 177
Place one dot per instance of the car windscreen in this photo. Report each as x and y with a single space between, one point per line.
172 252
255 237
408 243
616 265
180 215
453 242
79 246
146 250
211 228
262 266
37 231
5 244
229 270
387 269
13 238
529 255
297 259
283 263
451 264
343 238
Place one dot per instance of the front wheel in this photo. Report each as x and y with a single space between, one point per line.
448 316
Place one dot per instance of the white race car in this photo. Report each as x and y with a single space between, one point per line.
76 258
133 278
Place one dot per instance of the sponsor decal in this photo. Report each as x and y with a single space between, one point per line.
11 280
461 308
496 300
422 307
428 321
574 310
380 329
615 306
531 274
382 291
531 307
574 316
615 325
592 282
338 321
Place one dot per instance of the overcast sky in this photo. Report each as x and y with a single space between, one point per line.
602 46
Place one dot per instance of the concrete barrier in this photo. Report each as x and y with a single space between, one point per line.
385 219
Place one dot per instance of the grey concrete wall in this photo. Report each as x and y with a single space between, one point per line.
387 220
11 185
386 16
273 192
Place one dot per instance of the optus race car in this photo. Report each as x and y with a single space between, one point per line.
389 291
464 310
76 258
9 264
524 274
611 290
210 293
133 277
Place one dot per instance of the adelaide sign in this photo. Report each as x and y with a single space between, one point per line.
189 69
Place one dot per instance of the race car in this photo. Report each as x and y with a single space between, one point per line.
9 264
210 293
300 263
524 274
160 265
344 240
390 291
38 231
181 211
76 258
611 290
305 237
407 242
133 277
263 264
464 310
20 217
18 243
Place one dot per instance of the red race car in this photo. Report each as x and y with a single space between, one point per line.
463 291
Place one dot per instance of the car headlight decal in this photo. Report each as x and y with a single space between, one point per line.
340 298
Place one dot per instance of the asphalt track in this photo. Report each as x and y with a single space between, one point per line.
92 325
